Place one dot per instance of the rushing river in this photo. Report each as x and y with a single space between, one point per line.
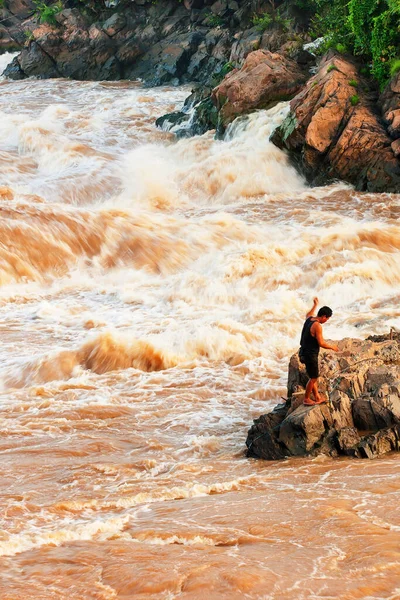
152 292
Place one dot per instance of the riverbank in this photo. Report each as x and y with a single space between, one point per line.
243 56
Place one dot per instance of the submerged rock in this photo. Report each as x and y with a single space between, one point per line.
335 132
361 419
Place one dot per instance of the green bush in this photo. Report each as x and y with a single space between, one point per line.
394 67
355 100
262 22
215 20
47 13
341 48
266 19
353 83
218 76
368 28
331 68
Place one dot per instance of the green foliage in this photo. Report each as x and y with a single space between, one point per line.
353 83
369 28
306 5
384 45
341 48
47 13
285 23
262 22
218 76
394 67
360 22
331 68
355 100
288 126
266 19
215 20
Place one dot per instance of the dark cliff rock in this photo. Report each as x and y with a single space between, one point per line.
335 130
361 419
159 42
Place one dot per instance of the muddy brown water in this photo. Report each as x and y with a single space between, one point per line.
152 292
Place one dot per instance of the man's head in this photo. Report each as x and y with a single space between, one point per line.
324 314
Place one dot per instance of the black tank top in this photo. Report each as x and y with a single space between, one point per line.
308 343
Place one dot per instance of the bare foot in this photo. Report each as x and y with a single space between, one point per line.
321 400
309 402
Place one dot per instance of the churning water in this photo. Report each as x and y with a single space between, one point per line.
152 292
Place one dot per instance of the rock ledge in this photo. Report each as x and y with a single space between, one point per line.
362 417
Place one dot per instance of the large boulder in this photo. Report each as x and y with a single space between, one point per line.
265 79
361 418
390 104
333 130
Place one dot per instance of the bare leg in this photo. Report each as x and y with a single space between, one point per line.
310 388
315 391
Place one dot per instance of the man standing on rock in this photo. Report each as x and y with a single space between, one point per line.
311 341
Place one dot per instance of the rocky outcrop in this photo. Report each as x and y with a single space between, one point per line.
361 419
264 79
334 131
159 42
390 104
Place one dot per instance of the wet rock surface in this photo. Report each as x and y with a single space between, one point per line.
361 418
334 130
264 79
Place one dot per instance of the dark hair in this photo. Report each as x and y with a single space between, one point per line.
325 311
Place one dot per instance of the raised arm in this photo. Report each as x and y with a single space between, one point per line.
311 313
317 330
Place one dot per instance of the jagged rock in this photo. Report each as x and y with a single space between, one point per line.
175 122
168 60
22 8
13 70
362 417
262 441
334 131
382 442
34 61
305 427
248 42
348 439
390 103
114 24
265 79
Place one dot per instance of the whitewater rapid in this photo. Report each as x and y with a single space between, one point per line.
152 292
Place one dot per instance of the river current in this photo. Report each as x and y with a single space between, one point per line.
152 293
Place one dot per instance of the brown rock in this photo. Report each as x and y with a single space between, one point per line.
382 442
337 131
396 147
264 80
390 103
304 428
348 439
